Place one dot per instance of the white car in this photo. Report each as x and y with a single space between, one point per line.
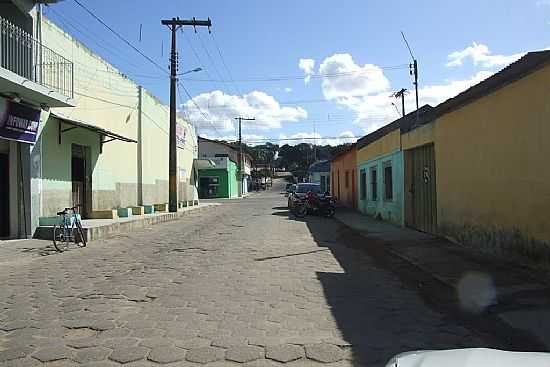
474 357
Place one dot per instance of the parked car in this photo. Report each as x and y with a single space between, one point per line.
301 190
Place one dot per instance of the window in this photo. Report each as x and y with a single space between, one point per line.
363 184
373 184
323 183
388 181
347 179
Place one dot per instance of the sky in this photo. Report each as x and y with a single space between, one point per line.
309 68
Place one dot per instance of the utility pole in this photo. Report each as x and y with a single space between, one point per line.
401 94
174 24
413 70
241 148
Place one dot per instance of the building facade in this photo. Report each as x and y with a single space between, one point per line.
213 148
220 180
381 169
33 79
343 175
478 171
100 142
319 172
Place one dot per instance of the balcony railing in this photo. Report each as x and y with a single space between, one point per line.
25 56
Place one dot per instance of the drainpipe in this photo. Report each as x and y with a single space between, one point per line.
139 150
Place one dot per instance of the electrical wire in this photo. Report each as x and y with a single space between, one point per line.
139 52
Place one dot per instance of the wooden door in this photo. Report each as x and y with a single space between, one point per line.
422 188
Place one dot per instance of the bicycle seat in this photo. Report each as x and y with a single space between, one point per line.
62 212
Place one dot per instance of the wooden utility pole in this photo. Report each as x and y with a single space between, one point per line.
174 24
240 119
401 94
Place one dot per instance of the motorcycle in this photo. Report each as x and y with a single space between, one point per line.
312 203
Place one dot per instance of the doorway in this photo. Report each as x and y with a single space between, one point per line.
4 196
421 184
80 177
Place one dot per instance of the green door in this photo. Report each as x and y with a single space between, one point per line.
423 188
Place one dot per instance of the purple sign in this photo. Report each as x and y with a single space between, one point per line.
19 122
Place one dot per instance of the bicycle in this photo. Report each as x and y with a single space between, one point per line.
69 230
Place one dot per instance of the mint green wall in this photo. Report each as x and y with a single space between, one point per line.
56 164
390 210
233 179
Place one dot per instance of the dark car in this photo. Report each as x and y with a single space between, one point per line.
301 190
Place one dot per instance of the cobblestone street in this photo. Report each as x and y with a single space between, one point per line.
241 283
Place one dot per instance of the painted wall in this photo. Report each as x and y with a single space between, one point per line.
376 155
388 208
108 99
221 174
346 162
493 181
388 143
227 175
233 179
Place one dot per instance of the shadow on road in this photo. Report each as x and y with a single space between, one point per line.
377 312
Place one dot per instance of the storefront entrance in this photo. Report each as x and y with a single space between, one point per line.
81 190
4 196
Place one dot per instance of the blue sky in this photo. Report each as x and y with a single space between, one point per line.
352 49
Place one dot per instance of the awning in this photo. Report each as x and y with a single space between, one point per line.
103 133
203 163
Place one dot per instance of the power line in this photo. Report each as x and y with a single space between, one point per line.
287 77
138 51
224 63
295 77
119 36
304 138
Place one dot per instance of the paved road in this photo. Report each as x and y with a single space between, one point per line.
242 283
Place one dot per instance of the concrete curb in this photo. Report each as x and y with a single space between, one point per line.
93 233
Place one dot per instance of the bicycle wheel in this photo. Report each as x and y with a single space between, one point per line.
60 238
78 234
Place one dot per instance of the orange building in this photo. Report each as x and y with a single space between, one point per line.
343 173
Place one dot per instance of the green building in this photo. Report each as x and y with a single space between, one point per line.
220 181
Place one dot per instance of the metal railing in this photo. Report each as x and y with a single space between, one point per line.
26 56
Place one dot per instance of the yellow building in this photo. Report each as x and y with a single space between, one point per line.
479 172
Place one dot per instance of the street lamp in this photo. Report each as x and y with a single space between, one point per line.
195 70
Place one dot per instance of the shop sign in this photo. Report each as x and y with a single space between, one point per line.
19 122
181 134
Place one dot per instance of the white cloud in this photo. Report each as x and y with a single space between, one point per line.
481 56
437 93
315 138
366 91
346 80
308 67
223 108
288 89
543 3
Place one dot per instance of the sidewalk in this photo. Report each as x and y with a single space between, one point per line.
483 286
